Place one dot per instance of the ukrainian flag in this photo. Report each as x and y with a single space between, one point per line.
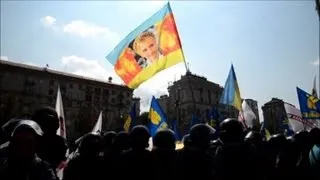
157 117
150 48
309 105
231 93
131 119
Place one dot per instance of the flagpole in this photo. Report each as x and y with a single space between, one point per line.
187 69
318 10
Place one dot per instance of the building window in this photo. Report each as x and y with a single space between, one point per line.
88 97
50 92
201 99
128 94
209 96
80 86
97 90
51 82
71 86
112 100
105 92
113 92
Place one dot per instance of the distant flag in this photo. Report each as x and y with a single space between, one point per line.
130 120
265 132
59 108
309 105
231 93
194 120
314 89
150 48
248 114
157 117
214 119
98 126
176 130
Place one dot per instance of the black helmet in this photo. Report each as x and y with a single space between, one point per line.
9 126
108 138
27 125
164 139
186 140
254 137
201 135
47 118
91 144
231 130
139 136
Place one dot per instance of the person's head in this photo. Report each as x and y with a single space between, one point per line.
23 139
139 136
231 131
48 120
164 139
201 135
146 46
91 145
108 138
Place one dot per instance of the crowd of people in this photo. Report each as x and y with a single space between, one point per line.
31 150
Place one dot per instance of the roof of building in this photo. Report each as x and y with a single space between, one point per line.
41 69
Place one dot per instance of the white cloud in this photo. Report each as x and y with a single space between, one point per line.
316 62
89 68
86 29
158 85
5 58
48 21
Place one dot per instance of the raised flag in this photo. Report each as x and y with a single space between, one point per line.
129 122
309 105
295 121
176 130
157 117
248 114
231 93
314 89
59 108
150 48
98 126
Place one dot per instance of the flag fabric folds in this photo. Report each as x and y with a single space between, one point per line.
98 126
309 105
150 48
248 114
295 121
231 93
314 89
59 108
131 119
157 117
214 119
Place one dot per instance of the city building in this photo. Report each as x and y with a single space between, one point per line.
253 104
193 94
273 114
24 88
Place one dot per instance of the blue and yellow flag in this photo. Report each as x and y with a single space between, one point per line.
150 48
231 93
131 119
157 117
176 130
309 105
214 119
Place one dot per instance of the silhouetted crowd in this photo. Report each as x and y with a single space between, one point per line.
31 150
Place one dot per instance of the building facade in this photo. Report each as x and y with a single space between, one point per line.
24 88
273 115
190 95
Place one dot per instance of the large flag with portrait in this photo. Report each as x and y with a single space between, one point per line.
150 48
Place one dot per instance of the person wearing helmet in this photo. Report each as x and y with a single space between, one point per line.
234 156
197 153
137 161
164 154
88 163
22 161
52 148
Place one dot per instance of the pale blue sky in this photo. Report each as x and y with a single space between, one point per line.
272 44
